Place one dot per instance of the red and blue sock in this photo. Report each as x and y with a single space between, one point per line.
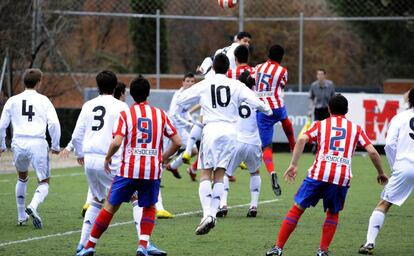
288 225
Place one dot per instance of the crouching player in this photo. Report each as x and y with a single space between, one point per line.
140 131
330 175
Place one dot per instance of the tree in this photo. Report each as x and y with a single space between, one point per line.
143 35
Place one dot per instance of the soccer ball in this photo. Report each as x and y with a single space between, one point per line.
227 3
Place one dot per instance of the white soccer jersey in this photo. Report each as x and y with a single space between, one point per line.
247 130
93 130
220 98
30 112
399 144
208 62
180 117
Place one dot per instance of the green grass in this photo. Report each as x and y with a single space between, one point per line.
233 235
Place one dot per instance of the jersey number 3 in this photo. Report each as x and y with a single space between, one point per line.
99 117
336 138
29 113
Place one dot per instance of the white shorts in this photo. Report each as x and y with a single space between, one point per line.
32 151
250 154
218 143
99 181
399 186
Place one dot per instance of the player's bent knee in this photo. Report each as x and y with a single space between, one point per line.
383 206
111 208
47 180
22 174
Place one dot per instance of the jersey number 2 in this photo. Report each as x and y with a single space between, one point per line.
145 127
339 137
412 128
29 113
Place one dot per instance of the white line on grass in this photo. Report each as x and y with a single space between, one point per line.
121 224
55 176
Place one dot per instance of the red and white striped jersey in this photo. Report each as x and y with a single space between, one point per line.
235 73
337 139
143 128
271 79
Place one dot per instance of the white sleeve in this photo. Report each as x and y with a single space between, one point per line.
206 65
79 133
53 126
70 146
4 123
391 142
251 98
179 119
190 96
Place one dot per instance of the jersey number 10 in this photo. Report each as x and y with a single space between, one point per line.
217 96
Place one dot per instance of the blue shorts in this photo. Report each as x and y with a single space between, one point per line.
311 191
122 190
265 124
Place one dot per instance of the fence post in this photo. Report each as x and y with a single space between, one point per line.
300 75
241 15
158 33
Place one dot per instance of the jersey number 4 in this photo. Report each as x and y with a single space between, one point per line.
220 96
29 113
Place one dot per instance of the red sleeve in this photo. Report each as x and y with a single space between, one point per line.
169 129
363 139
313 131
120 125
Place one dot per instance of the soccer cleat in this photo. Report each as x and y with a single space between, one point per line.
275 251
319 252
275 185
79 248
232 178
192 173
86 252
186 158
252 212
141 251
222 211
23 222
205 225
37 221
164 214
173 171
243 166
366 249
84 209
153 250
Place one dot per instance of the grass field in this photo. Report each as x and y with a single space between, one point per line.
233 235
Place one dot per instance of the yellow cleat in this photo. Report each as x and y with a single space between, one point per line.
186 158
84 208
164 214
243 166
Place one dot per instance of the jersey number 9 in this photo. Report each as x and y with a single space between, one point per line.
145 127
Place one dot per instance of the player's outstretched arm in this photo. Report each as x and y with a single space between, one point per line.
376 160
115 145
251 98
174 146
291 172
190 96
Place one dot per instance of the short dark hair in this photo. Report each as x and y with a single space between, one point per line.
338 105
247 79
411 98
106 81
322 70
188 75
32 77
243 34
119 90
139 89
221 63
276 53
241 53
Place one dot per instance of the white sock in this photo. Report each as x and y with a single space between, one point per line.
195 134
159 206
255 184
205 192
89 198
21 187
137 212
90 217
177 162
39 195
223 201
375 224
218 190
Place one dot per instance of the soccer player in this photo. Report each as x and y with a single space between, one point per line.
219 98
271 79
139 131
30 113
248 150
399 148
241 55
183 121
330 175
